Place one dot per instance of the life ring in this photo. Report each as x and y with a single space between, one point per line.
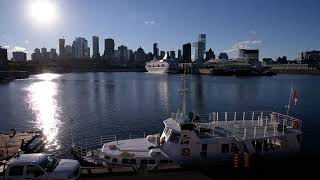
185 152
12 133
296 124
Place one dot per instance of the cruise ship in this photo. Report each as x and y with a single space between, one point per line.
191 139
162 66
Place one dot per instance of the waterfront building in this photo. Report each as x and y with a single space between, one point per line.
36 55
251 55
200 48
282 60
131 56
45 55
3 57
139 56
108 48
62 43
223 56
53 54
162 54
95 47
179 54
155 50
122 55
149 56
80 48
172 55
210 55
19 56
68 51
186 53
309 57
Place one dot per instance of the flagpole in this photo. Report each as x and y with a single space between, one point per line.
289 103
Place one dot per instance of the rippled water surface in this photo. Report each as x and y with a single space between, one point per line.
93 104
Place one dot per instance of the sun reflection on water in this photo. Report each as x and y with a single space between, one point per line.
42 101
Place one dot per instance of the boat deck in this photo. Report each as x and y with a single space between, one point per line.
242 126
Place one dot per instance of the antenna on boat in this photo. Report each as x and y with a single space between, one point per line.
184 92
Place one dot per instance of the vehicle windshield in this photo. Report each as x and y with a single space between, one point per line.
49 163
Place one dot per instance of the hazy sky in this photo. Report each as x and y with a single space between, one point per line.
276 27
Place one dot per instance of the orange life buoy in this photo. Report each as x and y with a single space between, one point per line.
185 152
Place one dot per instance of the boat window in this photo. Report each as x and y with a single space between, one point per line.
170 161
114 160
125 161
152 161
133 161
185 139
174 137
16 171
225 148
144 161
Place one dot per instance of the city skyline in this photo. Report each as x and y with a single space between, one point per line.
276 28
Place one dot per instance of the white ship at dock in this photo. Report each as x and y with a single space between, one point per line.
162 66
192 140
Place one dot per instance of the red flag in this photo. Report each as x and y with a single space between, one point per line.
294 95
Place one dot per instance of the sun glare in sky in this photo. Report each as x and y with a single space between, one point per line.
43 11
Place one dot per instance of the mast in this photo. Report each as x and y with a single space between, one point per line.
184 91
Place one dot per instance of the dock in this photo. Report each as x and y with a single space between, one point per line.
12 143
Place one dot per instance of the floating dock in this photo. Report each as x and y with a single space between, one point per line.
14 142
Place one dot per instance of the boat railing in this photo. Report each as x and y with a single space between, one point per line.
255 124
81 148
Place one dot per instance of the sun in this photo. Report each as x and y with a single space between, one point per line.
43 11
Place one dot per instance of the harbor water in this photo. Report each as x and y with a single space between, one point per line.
75 106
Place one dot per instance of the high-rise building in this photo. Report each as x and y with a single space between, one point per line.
162 54
139 56
53 54
200 48
68 51
36 56
3 57
108 48
251 55
45 55
172 55
80 48
155 50
223 56
210 55
186 53
179 54
95 47
19 56
123 55
62 43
